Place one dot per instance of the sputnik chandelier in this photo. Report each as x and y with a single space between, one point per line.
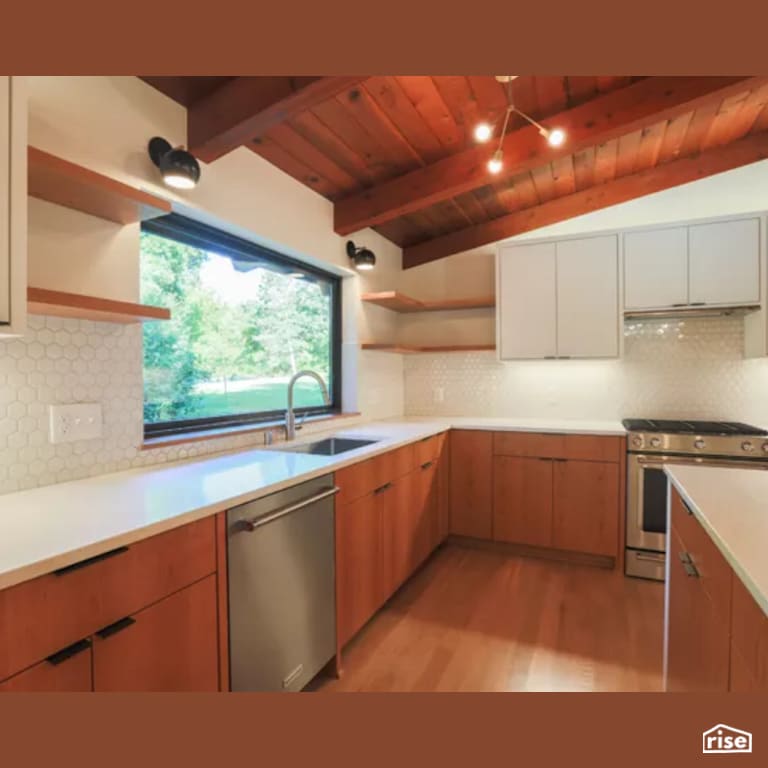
484 131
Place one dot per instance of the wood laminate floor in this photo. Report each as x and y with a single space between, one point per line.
473 620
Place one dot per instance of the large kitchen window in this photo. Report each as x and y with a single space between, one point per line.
244 320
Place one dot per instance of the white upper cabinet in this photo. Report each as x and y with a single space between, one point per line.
724 262
558 300
527 302
13 205
656 268
5 200
588 297
714 263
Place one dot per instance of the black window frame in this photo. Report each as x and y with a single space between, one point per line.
182 229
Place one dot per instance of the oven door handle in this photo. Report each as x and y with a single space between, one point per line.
660 461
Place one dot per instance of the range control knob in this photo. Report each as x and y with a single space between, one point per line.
699 444
747 446
637 442
655 442
765 447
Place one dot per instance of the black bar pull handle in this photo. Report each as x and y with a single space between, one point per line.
67 653
427 464
118 626
382 488
89 561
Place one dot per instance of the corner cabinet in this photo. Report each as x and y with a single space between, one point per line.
13 205
558 299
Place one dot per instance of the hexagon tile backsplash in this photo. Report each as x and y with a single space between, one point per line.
682 368
670 368
65 361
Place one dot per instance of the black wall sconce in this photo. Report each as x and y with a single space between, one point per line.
363 258
177 166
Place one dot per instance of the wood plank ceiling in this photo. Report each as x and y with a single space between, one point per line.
397 152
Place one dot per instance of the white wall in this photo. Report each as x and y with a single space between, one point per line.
105 123
701 374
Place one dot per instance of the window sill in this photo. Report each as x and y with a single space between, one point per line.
168 441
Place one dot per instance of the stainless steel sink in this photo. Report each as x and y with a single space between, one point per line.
330 446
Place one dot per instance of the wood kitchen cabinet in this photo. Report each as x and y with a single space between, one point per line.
749 643
523 499
68 671
560 492
143 617
699 608
384 535
471 483
715 634
586 507
169 646
358 564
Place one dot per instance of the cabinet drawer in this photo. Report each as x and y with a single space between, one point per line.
749 639
69 671
428 449
170 646
710 566
527 444
41 616
363 478
555 446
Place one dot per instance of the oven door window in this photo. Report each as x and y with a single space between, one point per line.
654 517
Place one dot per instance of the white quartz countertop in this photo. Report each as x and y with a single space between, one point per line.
558 426
732 506
47 528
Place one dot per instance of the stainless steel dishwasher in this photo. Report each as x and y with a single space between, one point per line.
282 603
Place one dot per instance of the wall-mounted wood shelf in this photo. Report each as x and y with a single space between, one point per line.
399 302
58 181
410 349
41 301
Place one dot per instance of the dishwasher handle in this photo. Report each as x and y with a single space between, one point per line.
258 522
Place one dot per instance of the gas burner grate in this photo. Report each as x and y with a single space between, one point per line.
692 427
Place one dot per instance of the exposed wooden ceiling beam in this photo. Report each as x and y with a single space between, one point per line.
601 119
246 107
738 153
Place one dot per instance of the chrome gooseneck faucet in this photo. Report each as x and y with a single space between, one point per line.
290 417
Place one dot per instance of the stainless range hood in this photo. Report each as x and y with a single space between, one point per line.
690 310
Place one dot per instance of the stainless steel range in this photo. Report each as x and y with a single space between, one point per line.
652 443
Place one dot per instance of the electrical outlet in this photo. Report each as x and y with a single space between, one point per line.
78 421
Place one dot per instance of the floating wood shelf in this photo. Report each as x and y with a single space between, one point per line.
58 181
41 301
409 349
398 302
